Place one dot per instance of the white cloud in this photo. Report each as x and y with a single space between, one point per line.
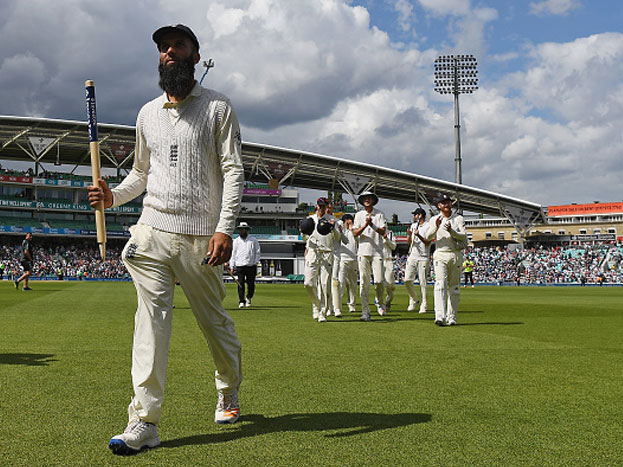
578 80
446 7
553 7
405 14
316 76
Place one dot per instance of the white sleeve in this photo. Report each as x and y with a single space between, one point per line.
229 148
234 250
135 183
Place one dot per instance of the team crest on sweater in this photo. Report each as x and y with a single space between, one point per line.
173 155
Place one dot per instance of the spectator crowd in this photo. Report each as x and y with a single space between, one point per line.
493 265
79 259
541 265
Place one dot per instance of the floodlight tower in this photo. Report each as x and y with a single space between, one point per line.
456 74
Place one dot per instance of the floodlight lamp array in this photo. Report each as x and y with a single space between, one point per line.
456 74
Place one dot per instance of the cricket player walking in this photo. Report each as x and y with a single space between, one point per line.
188 157
418 261
451 238
338 241
318 262
369 227
389 245
348 264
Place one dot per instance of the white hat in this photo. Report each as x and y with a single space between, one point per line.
375 199
244 225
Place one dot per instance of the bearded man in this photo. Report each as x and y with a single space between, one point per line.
188 158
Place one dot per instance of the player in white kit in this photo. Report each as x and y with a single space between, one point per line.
389 245
418 261
369 227
348 265
451 239
318 261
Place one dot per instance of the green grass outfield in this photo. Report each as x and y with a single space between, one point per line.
531 376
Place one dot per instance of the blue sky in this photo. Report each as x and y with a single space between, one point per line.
354 79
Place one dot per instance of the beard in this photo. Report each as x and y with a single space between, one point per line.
177 80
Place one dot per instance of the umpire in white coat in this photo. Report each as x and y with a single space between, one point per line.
244 258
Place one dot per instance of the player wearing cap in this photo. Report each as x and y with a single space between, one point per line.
389 245
369 227
418 261
318 260
338 241
245 255
188 158
451 239
348 265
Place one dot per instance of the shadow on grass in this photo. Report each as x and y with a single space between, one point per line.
491 324
30 359
348 424
264 308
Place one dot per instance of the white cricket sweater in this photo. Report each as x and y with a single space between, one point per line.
189 158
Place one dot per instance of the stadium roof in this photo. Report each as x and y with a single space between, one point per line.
43 140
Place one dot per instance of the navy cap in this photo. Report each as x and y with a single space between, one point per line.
307 226
157 36
322 201
324 226
419 211
443 198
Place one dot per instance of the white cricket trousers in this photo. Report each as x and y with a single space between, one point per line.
318 278
154 259
421 268
348 281
390 281
336 295
369 266
447 284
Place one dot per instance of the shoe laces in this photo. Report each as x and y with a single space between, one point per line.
137 427
227 401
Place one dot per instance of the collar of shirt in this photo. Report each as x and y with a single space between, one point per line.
194 92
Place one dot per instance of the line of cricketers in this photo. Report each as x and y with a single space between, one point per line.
340 250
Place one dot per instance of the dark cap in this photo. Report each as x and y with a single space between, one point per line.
307 226
322 201
419 211
443 198
324 226
347 217
157 36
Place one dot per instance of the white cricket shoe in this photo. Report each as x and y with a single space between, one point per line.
227 408
137 436
381 311
322 318
351 308
337 313
412 304
248 302
241 305
422 310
